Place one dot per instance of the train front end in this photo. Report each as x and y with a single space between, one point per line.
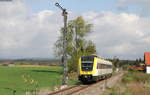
87 69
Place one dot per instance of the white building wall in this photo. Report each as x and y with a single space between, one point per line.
148 69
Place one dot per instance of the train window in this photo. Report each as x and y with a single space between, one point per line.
87 66
103 66
109 66
98 66
87 58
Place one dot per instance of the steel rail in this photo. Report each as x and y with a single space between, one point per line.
62 90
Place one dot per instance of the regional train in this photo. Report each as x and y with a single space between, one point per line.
93 68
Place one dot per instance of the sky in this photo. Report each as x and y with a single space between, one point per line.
72 5
29 28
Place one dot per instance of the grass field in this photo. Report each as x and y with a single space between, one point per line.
24 79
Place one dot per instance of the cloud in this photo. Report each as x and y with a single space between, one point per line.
141 6
24 34
123 35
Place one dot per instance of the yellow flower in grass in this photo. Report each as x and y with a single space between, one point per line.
32 81
25 80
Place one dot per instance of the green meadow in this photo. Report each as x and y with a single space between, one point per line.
18 80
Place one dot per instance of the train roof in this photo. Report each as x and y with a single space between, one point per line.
99 58
94 55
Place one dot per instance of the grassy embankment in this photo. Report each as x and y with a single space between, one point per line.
132 83
29 79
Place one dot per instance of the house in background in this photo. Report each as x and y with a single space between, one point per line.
147 61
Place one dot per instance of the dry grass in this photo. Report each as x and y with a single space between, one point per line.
73 76
44 92
138 89
133 83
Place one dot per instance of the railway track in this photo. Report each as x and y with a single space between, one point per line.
69 90
78 89
74 89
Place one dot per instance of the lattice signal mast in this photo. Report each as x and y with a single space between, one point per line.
64 57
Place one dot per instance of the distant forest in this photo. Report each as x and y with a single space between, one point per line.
31 61
116 62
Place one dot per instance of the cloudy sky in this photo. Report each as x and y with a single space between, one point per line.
29 28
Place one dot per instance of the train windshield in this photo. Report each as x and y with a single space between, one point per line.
87 63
